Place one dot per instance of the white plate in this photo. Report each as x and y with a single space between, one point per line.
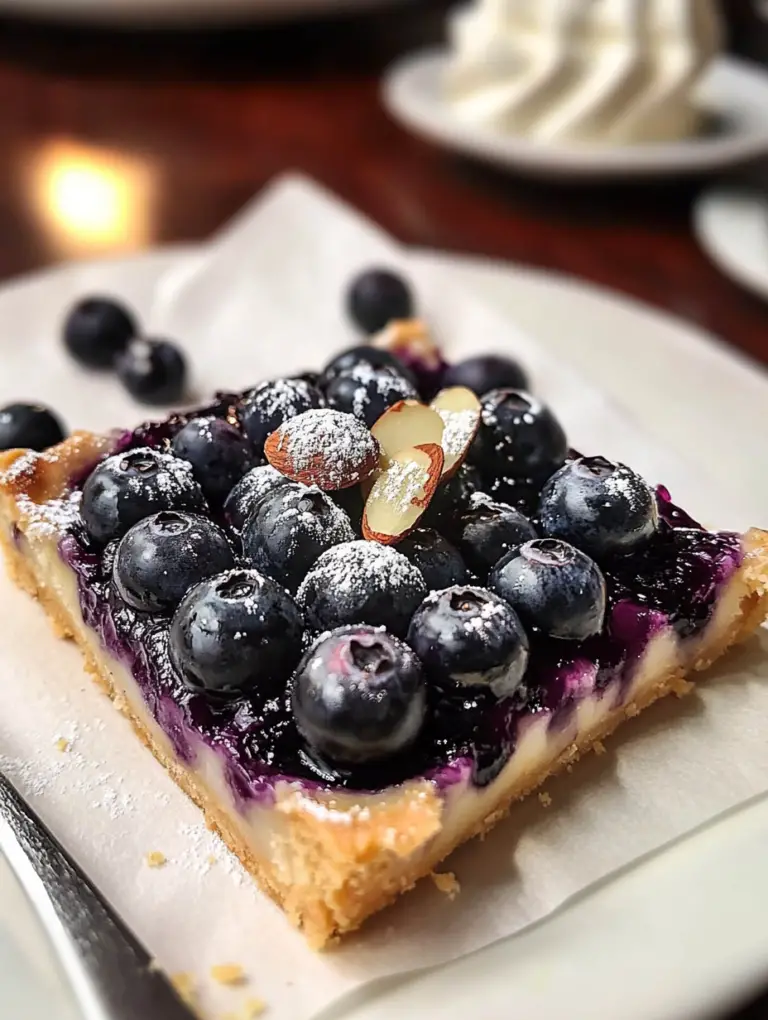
181 12
689 914
732 226
735 91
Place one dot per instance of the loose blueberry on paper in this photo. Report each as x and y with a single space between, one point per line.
29 426
97 330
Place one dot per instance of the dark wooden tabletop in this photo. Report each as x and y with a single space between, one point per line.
176 131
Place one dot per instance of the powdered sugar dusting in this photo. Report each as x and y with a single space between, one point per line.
283 398
384 381
460 427
402 485
327 447
361 566
47 520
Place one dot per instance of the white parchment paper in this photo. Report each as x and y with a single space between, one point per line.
264 299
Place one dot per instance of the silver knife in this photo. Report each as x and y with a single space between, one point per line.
110 972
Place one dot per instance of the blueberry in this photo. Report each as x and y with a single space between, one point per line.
451 499
520 493
361 582
604 508
249 491
219 454
352 503
485 373
97 329
470 638
367 392
153 371
266 407
30 426
440 563
163 556
554 587
519 437
376 297
363 354
291 526
488 531
127 487
359 695
238 633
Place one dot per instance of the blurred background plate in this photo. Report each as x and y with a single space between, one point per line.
734 92
731 224
183 13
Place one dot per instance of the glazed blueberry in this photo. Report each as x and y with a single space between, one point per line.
440 563
163 556
367 392
153 371
488 531
554 587
452 499
485 373
291 526
363 354
266 407
359 695
352 503
238 633
219 454
127 487
361 582
520 493
606 509
97 329
248 492
376 297
470 638
518 437
30 426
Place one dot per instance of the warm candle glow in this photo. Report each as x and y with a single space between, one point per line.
92 199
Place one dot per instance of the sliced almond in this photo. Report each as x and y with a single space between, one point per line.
407 423
402 493
325 448
459 408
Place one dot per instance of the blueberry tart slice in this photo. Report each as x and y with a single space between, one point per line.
354 640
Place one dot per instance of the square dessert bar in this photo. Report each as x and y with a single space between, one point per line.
357 614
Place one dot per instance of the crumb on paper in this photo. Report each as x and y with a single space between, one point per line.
184 985
544 799
447 883
598 747
228 973
212 859
156 859
62 744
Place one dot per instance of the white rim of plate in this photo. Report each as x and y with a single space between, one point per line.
412 93
731 224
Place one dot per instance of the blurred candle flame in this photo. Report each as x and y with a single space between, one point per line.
91 199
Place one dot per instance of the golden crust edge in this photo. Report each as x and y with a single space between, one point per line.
352 871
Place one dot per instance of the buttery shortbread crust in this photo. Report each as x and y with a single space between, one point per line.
331 859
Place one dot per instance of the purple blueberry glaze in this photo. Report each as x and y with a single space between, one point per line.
673 581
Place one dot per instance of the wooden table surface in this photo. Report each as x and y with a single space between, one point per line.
176 131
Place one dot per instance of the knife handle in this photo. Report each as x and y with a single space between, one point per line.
110 972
